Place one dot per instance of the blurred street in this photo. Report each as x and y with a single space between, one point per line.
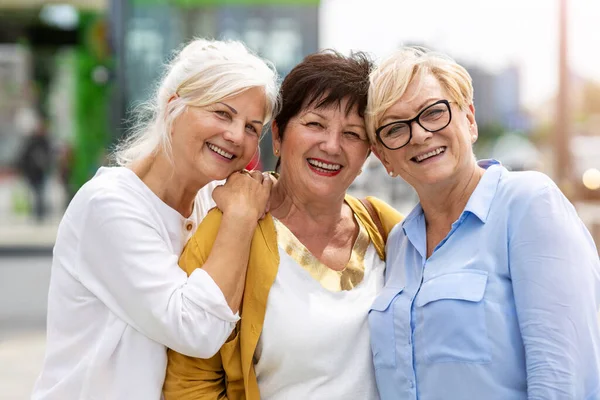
23 291
25 259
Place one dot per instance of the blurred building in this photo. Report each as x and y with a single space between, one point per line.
78 66
145 33
54 76
497 98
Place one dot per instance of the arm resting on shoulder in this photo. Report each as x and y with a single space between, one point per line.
130 267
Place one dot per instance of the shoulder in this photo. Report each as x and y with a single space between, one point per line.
205 194
204 199
110 193
520 188
389 215
532 197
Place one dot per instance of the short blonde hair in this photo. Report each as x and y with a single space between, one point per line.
202 73
389 81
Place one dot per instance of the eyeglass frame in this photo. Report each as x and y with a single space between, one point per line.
409 122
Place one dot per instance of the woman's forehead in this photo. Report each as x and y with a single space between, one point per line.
419 93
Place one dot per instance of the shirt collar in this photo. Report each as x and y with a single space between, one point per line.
480 202
414 229
413 216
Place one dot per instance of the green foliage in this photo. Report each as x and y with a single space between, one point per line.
92 133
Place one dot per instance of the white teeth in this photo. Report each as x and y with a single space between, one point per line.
430 154
325 166
220 151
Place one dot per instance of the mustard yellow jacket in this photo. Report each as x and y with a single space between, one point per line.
230 373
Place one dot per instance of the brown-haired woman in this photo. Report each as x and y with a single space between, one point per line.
316 262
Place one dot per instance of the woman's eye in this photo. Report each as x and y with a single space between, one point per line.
315 124
353 134
252 129
223 114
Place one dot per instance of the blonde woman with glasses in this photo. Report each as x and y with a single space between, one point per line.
117 296
492 281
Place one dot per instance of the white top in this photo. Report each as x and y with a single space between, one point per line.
315 343
117 296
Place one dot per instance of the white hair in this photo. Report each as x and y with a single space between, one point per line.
202 73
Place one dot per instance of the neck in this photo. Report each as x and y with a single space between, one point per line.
160 175
293 209
443 204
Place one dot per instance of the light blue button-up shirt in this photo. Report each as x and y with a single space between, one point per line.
506 306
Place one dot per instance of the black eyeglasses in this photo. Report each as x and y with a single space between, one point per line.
432 118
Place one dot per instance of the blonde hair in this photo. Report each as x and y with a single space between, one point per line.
202 73
389 81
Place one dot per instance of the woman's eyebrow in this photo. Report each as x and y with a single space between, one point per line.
233 110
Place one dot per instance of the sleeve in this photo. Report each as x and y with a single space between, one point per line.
555 273
126 263
190 378
219 377
232 365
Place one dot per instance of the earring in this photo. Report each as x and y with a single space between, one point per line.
391 173
276 152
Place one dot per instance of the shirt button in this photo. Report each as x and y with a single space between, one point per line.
411 384
189 226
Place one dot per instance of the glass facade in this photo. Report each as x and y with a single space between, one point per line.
147 32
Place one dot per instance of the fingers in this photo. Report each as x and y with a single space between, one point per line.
267 181
257 175
217 190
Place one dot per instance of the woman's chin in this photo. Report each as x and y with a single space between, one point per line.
221 172
325 191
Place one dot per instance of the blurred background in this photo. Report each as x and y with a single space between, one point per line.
71 70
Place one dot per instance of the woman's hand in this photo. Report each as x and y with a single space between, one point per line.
244 195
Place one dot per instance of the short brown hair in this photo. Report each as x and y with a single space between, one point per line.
323 79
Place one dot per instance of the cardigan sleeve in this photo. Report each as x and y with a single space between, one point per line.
216 378
190 378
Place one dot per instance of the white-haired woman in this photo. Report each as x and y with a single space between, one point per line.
117 297
492 281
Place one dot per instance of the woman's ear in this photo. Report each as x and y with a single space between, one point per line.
275 138
168 110
473 131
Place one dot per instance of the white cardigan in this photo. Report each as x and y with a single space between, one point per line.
117 296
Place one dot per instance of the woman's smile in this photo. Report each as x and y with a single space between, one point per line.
220 153
429 156
323 167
